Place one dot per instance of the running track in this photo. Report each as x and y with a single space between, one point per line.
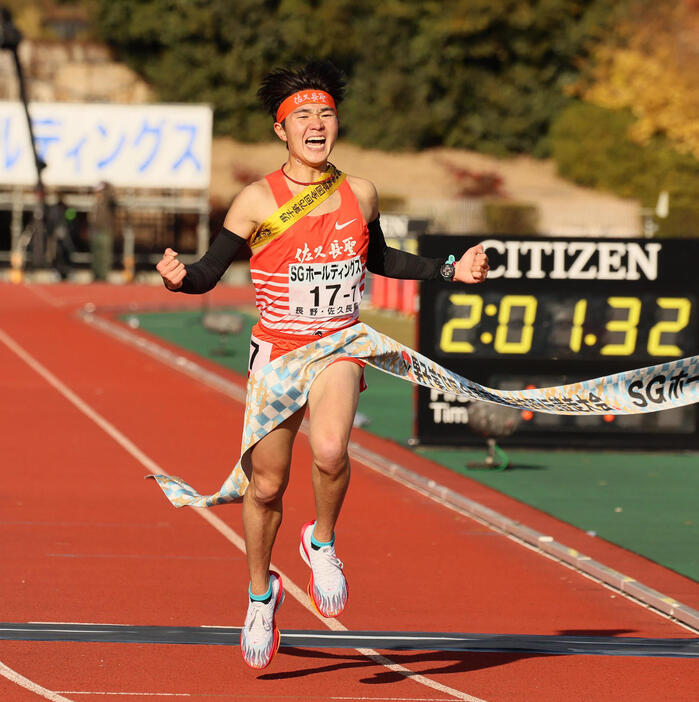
84 539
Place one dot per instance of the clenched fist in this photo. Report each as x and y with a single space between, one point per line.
473 266
171 270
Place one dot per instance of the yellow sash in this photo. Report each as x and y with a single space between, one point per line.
298 206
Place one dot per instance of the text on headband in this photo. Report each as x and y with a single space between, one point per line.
301 98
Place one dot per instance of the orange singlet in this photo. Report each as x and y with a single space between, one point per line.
308 281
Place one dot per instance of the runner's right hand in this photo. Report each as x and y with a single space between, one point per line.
171 270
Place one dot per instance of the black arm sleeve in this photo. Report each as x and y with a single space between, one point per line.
203 275
394 263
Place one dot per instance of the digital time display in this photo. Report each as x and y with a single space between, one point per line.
547 325
556 311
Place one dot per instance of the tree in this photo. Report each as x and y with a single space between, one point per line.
653 71
481 74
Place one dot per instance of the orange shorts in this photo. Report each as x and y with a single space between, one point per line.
266 345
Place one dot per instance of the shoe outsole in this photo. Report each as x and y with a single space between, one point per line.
276 633
309 588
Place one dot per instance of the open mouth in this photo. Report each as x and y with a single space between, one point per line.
315 141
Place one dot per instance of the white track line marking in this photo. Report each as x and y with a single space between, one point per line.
294 590
27 684
43 295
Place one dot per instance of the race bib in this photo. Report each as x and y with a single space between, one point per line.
260 354
325 290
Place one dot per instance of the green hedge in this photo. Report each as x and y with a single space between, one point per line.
591 147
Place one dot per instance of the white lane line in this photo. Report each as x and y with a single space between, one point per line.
43 295
15 677
294 590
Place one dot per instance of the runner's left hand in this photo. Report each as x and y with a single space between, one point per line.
473 266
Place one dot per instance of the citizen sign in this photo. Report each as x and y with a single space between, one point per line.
574 260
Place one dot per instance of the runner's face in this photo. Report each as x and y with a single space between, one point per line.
310 132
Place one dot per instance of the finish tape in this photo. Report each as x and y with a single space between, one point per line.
281 387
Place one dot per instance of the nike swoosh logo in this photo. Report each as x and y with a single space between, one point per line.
346 224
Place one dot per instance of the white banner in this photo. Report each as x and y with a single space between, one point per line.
144 146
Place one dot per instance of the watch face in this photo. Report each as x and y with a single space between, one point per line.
447 271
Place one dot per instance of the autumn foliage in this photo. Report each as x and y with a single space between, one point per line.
635 127
653 71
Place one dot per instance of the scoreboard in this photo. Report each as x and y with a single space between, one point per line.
555 311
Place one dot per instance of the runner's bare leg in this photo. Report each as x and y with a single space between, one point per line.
262 502
332 405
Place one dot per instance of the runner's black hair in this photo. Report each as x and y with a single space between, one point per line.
282 82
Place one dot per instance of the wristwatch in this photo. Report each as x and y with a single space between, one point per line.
447 269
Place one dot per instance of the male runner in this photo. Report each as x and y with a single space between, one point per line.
308 283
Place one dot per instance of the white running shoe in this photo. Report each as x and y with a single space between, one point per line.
327 586
259 637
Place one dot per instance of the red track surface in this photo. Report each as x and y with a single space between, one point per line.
85 539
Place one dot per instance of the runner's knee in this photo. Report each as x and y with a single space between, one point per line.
330 456
268 489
